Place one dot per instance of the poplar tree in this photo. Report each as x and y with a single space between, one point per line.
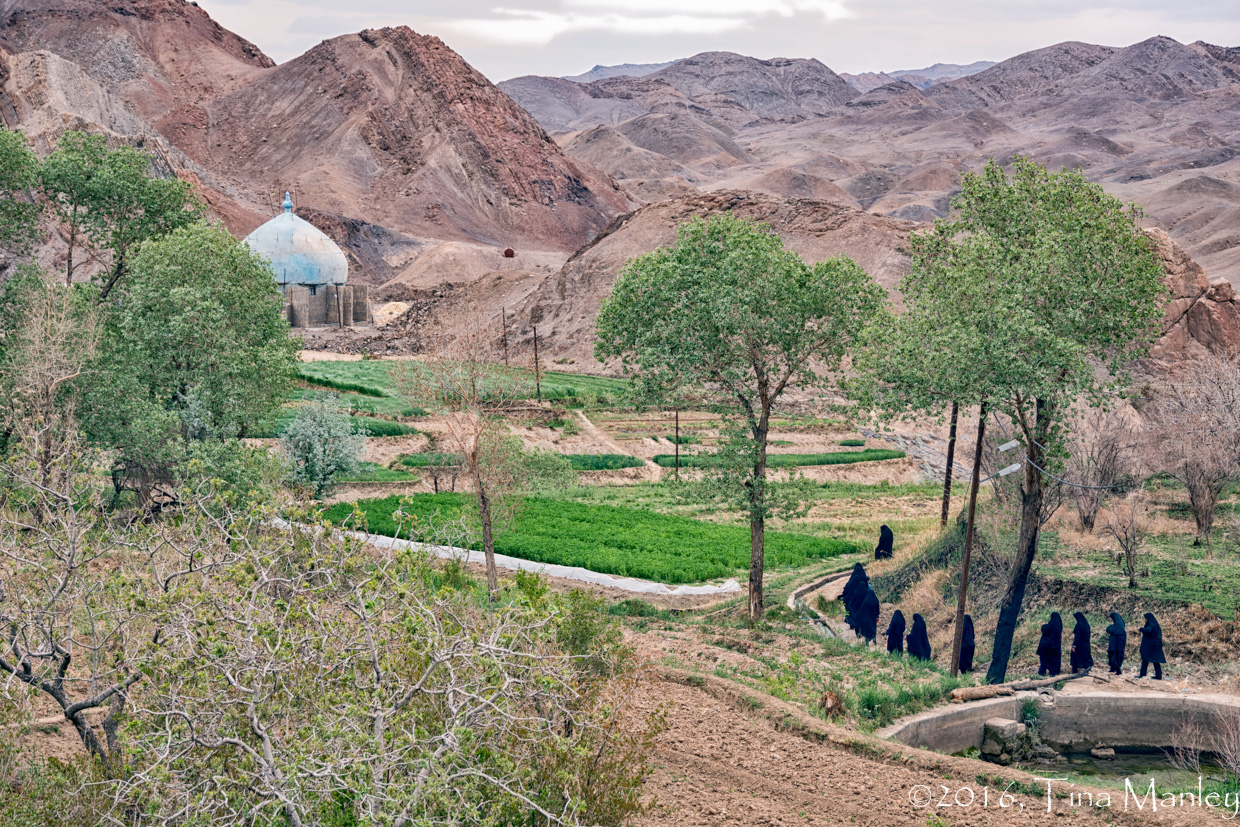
730 314
1038 293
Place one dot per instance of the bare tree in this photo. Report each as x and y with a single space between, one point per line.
1103 454
1196 422
464 380
55 336
1127 524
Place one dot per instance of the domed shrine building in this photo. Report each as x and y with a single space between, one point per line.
312 272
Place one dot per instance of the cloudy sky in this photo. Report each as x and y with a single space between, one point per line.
506 38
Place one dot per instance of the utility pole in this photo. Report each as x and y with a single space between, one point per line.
968 540
677 443
537 379
951 458
503 315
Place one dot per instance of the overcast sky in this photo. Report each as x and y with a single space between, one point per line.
506 38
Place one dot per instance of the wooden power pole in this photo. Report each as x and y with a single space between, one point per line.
968 541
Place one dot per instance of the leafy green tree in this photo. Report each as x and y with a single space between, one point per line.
320 443
108 199
1038 294
197 349
19 209
730 312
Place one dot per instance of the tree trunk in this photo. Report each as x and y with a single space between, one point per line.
962 596
488 538
117 272
757 520
951 458
1026 550
1203 498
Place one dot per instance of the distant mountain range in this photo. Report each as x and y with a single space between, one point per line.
425 171
921 78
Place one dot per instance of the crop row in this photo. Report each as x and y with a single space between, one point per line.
788 460
626 542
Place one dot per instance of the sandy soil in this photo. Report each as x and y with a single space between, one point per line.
723 762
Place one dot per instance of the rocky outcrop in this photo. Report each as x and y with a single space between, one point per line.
1202 317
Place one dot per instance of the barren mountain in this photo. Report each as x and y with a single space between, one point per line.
721 88
565 305
628 70
921 78
1145 121
387 128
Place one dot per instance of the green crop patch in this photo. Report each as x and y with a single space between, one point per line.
853 443
368 425
622 541
788 460
378 378
425 460
603 462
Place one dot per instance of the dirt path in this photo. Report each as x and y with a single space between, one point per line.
654 472
722 762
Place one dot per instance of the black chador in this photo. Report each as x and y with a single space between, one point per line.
1050 647
853 593
885 541
1081 658
918 640
895 633
1117 643
968 646
867 616
1152 647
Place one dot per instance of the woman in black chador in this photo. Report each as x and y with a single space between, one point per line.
1117 643
967 645
895 633
918 640
1050 647
885 541
867 616
1081 658
854 591
1151 647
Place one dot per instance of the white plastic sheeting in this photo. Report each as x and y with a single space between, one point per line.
628 584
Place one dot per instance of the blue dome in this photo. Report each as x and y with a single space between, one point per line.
299 252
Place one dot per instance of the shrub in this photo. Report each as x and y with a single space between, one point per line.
320 443
683 439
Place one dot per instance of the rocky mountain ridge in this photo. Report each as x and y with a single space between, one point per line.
386 127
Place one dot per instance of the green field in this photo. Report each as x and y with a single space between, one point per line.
787 460
275 426
603 462
373 472
621 541
376 378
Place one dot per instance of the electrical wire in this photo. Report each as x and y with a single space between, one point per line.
1059 480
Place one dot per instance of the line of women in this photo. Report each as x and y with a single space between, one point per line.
1080 658
861 609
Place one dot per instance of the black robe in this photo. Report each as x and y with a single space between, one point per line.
1151 641
1050 647
968 646
918 640
1117 643
854 591
867 616
885 541
1081 657
895 633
